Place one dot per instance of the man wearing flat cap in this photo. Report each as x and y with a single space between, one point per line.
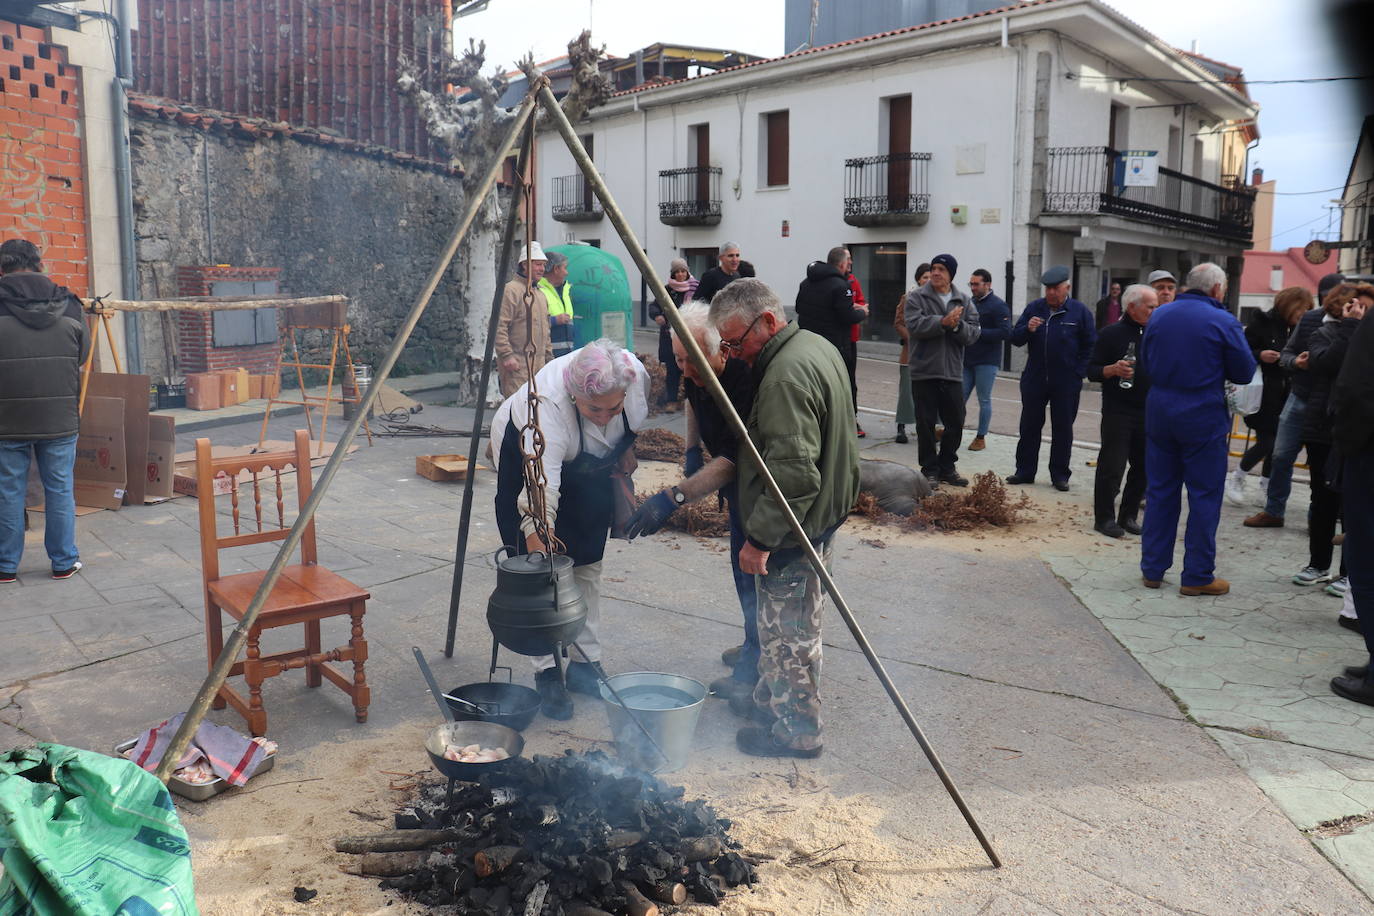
940 321
1058 334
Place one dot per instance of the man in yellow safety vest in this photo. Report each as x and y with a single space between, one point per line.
558 291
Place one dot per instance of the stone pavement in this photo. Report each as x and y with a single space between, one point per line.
1101 794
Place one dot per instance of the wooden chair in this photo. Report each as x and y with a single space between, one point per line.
305 594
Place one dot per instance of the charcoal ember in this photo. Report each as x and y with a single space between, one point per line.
597 870
701 887
530 875
734 869
643 873
409 819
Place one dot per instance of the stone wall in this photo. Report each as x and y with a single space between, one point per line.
335 216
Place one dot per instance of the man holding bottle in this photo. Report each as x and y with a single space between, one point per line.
1114 363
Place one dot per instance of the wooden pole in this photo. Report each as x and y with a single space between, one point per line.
206 303
220 670
751 453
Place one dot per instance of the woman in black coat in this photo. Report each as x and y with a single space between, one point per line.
1266 334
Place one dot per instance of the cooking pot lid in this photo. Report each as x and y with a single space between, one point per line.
532 564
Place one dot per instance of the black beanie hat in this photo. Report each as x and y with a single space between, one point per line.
949 263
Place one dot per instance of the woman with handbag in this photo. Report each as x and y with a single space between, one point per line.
590 404
1266 334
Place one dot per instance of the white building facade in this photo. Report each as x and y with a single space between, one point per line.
999 137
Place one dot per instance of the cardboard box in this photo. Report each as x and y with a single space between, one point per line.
228 387
100 472
443 467
184 481
255 387
162 447
133 391
203 391
241 383
271 386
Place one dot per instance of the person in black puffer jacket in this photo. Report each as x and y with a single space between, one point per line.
1343 306
1266 334
43 343
825 306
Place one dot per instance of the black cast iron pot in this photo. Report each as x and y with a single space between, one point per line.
537 605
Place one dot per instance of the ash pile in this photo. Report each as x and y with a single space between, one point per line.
576 835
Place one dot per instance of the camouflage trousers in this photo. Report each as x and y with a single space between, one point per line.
790 601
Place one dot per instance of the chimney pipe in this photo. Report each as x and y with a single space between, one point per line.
1257 177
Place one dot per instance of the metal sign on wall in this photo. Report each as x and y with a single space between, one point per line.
1138 168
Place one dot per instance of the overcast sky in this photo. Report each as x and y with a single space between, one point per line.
1308 131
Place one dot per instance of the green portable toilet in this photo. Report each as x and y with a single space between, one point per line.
600 295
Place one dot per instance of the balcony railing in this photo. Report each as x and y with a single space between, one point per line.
689 197
1089 179
573 200
887 190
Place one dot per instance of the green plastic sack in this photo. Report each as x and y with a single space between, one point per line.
82 834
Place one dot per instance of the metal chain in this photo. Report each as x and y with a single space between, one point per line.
536 482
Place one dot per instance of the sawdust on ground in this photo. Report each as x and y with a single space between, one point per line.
251 847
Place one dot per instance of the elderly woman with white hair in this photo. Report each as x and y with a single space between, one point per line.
590 404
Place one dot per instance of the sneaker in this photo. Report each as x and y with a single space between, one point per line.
978 444
1262 495
68 573
1311 575
1235 487
1338 587
9 577
1262 519
859 431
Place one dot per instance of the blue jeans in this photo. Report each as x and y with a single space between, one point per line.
55 460
747 668
1287 444
982 378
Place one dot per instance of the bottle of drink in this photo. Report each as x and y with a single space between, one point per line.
1130 358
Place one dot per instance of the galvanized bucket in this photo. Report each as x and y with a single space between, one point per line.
667 705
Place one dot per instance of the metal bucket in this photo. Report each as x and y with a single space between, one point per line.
353 394
668 705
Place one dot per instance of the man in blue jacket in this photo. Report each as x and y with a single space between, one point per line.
1058 334
983 357
1190 347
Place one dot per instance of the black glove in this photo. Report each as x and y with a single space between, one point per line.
693 461
650 515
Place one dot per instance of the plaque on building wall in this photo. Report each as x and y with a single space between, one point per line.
971 159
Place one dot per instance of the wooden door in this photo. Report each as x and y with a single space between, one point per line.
703 154
898 146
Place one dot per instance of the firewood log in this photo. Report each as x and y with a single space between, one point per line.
582 909
385 864
622 838
495 859
398 841
636 903
699 848
674 892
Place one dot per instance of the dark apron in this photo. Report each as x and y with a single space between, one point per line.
586 507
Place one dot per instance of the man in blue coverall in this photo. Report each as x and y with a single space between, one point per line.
1059 331
1190 346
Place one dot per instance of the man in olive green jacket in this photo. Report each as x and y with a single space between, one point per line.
801 423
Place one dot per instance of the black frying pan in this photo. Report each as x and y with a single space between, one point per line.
487 734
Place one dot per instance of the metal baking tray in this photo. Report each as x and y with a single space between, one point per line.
200 791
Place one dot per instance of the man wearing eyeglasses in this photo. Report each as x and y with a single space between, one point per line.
801 424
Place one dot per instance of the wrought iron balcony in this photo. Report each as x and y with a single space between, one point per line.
689 197
573 200
887 190
1090 179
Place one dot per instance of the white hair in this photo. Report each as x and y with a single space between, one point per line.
1205 276
1134 293
746 300
727 246
600 367
697 316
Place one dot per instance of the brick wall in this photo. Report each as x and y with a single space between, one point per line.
195 330
42 191
329 64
